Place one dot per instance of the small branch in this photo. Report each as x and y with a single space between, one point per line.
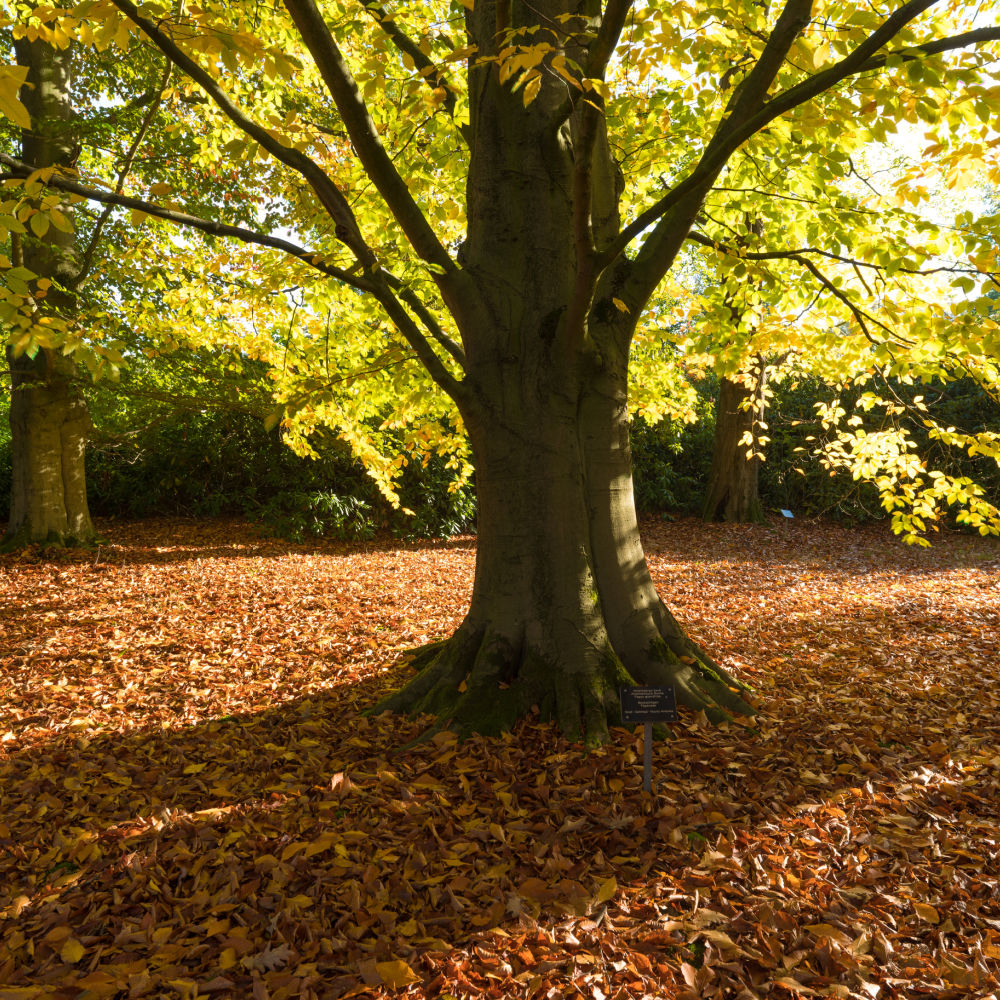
707 241
421 346
426 67
797 257
937 47
328 193
147 120
859 314
426 317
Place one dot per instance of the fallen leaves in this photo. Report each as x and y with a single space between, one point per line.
191 803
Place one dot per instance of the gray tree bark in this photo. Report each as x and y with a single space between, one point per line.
48 414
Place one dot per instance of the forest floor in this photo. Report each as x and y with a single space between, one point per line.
191 803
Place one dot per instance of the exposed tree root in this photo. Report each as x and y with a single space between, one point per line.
484 678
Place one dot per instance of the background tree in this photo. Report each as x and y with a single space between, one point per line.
48 415
733 492
509 228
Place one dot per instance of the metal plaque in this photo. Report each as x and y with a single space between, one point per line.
648 704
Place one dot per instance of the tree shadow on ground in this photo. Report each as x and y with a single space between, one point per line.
281 851
291 846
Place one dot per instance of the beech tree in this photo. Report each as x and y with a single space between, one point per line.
78 285
500 192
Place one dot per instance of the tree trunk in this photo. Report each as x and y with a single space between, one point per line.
563 609
732 493
49 425
48 415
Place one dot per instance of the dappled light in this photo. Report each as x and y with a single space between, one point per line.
191 802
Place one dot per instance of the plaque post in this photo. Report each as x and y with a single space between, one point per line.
647 756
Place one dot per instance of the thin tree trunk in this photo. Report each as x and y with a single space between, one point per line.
732 493
48 414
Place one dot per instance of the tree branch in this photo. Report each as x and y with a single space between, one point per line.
862 59
599 54
707 241
328 193
426 67
608 34
426 317
591 113
746 99
797 257
364 135
925 49
454 387
382 285
313 259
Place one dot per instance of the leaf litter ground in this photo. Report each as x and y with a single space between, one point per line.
192 804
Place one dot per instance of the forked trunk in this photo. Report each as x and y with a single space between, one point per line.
732 493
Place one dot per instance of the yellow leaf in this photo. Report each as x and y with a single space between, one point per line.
436 97
72 951
138 217
322 843
606 891
161 188
828 931
293 848
186 988
396 974
11 79
194 768
60 221
532 88
227 959
620 306
927 912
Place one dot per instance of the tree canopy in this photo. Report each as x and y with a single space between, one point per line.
353 149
